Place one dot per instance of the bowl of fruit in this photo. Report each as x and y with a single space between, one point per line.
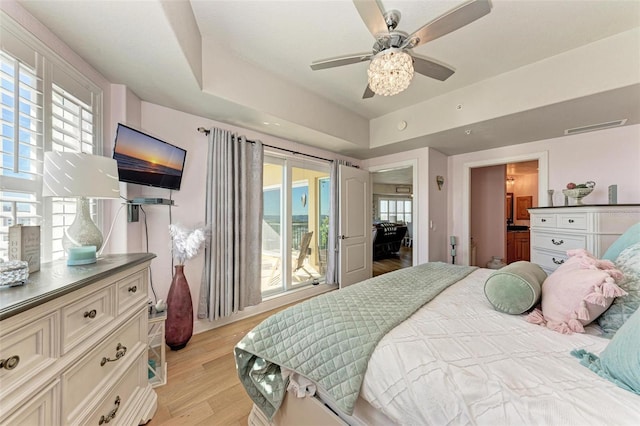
578 191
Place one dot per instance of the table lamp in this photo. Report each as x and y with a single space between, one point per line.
82 176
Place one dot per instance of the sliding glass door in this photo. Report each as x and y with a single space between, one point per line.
295 222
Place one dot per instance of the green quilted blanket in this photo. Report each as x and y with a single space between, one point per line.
329 339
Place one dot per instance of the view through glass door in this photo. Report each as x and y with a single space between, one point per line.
295 223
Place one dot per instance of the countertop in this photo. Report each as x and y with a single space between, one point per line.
55 279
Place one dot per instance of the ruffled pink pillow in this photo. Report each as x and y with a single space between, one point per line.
576 293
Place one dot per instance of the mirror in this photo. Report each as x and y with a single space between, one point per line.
509 208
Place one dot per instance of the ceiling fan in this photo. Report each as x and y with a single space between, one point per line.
392 61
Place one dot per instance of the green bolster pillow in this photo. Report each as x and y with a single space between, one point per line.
516 288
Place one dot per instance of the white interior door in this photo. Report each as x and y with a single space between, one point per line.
354 226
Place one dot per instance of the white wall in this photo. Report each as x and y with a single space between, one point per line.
126 108
438 222
606 157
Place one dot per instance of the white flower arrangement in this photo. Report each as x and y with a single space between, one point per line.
185 243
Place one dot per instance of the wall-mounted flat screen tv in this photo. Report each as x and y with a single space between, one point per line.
145 160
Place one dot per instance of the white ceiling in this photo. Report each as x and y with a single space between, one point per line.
153 47
285 37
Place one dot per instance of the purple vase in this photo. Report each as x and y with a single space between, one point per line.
179 323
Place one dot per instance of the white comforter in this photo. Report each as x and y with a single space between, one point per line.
458 361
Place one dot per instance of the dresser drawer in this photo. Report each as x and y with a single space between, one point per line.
115 407
86 317
131 291
42 409
558 241
572 221
544 220
26 352
549 261
91 374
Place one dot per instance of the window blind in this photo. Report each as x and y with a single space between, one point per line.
46 105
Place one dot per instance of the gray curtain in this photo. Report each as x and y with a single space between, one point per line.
231 276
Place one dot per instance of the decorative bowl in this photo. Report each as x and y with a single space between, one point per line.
577 194
13 273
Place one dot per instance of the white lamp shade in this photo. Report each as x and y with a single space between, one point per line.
73 174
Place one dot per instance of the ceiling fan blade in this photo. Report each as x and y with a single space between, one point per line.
368 93
340 61
450 21
372 16
431 69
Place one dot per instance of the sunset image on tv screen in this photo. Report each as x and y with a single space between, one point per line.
139 152
145 160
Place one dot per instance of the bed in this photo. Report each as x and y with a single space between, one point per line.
453 360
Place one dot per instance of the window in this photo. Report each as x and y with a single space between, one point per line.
45 105
395 210
295 223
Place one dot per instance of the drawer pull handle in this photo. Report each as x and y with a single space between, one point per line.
543 220
557 243
90 314
133 289
571 221
10 363
112 413
121 351
557 262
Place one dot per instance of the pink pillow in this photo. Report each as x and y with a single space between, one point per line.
577 293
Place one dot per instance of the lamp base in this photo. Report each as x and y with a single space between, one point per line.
82 232
81 255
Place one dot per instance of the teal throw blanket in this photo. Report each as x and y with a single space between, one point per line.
330 338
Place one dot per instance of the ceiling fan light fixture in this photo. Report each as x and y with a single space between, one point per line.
390 72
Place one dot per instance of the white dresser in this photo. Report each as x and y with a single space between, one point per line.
73 345
554 230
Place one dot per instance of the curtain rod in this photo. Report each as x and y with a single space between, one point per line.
207 131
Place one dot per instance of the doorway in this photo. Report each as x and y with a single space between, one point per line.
465 252
393 230
499 220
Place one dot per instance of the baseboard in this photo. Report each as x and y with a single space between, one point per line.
200 326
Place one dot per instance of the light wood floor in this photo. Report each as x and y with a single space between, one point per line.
203 387
403 260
